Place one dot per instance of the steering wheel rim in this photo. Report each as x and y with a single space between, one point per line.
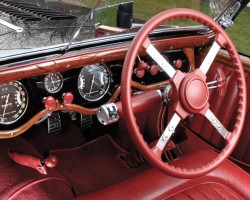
142 40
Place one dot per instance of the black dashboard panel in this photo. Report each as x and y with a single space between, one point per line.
37 91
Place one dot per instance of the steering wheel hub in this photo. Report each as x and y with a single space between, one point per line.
194 93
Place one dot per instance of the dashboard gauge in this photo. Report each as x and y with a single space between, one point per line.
94 81
53 82
13 102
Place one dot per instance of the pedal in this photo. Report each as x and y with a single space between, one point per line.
54 123
85 121
132 160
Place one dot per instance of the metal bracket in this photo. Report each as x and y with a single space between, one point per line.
220 83
107 114
226 18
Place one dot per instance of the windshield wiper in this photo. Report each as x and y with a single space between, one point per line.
11 26
82 25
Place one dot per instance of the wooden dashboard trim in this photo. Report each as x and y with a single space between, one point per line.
223 57
104 54
73 107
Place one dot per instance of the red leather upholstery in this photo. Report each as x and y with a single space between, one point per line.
224 108
21 182
227 182
142 40
206 191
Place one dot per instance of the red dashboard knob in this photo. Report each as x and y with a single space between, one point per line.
153 69
68 98
50 102
142 66
140 73
178 63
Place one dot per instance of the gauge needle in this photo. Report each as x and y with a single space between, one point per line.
6 103
52 81
97 83
92 82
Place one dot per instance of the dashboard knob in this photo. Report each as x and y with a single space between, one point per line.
68 98
153 69
49 102
139 73
142 66
178 63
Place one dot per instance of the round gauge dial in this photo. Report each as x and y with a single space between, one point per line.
53 82
13 102
94 81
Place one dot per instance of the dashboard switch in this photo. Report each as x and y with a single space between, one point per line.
49 102
68 98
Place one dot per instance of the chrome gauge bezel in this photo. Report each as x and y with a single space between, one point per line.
46 81
81 74
24 93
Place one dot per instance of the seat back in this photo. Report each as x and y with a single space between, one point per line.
225 110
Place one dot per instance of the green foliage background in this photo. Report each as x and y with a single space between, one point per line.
145 9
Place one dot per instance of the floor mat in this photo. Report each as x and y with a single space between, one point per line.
71 136
94 165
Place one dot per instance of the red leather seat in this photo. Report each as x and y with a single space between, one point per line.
227 182
224 108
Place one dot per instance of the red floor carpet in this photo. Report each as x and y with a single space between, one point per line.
94 165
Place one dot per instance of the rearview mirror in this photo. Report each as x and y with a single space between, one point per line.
117 15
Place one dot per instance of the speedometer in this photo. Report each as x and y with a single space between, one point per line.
94 81
13 102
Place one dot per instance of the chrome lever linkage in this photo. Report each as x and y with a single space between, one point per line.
219 83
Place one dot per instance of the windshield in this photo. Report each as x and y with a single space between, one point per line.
26 25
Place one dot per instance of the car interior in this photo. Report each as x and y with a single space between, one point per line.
146 114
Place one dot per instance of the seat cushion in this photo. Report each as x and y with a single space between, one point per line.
206 191
227 182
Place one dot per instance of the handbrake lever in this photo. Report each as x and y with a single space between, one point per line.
34 162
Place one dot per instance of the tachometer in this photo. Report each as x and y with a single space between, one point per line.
13 102
53 82
94 81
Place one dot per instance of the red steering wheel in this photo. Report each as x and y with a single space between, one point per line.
189 92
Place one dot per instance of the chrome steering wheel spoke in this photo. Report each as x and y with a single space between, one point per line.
216 123
168 132
160 60
207 62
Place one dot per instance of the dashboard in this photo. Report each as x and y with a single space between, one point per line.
91 86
